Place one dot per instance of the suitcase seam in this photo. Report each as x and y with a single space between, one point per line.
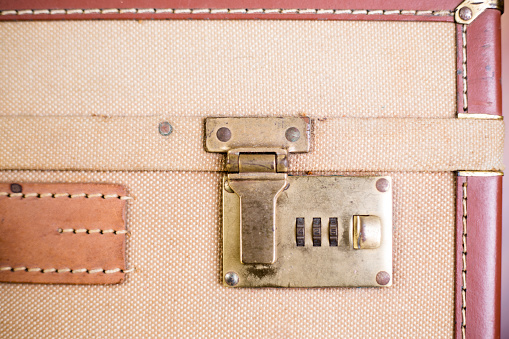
225 11
464 263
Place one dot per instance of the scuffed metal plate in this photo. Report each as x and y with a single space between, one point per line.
312 197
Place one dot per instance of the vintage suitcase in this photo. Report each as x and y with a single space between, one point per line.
250 168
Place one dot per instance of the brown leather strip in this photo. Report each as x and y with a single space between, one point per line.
151 6
482 259
484 64
62 233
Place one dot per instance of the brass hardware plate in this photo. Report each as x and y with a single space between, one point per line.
469 10
309 204
480 173
257 133
257 151
296 231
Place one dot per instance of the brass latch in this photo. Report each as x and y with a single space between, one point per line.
257 165
296 231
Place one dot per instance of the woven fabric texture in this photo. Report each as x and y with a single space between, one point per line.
177 291
342 144
228 68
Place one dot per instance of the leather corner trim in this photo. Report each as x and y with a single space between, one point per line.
62 233
479 73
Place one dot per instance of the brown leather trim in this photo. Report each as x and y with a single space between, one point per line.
397 5
484 64
482 258
62 233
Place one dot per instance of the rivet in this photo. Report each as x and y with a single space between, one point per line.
16 188
224 134
165 128
383 278
382 185
231 278
465 13
292 134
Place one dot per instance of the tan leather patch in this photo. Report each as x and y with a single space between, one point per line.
62 233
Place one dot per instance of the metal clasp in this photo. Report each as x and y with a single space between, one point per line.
257 150
296 231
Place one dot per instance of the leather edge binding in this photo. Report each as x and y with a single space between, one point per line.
484 71
478 256
229 9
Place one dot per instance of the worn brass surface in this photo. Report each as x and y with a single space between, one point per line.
257 151
367 231
258 133
480 116
480 173
311 197
255 160
496 4
257 214
474 8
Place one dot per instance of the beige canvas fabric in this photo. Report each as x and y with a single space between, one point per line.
177 291
134 143
229 68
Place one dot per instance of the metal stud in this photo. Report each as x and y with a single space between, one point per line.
224 134
231 278
382 185
165 128
16 188
292 134
383 278
465 13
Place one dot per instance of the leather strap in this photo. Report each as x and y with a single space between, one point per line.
478 257
62 233
341 144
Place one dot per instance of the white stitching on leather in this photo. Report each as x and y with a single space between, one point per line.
91 231
464 266
64 195
65 270
222 11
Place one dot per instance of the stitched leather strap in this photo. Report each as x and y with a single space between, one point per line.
230 9
478 256
62 233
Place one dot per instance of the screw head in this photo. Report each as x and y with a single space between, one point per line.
165 128
231 278
292 134
16 188
383 278
465 13
224 134
382 185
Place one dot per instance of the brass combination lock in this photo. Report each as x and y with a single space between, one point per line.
281 230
